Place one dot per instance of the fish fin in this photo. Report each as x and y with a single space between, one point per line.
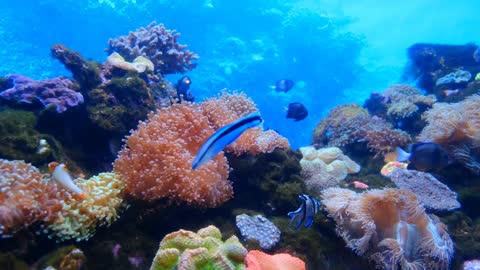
402 156
308 222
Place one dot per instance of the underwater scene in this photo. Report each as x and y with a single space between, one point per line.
229 135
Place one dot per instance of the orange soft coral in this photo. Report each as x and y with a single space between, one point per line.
25 197
156 161
257 260
227 108
390 227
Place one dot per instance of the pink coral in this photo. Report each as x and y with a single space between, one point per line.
390 227
156 161
257 260
227 108
159 45
26 197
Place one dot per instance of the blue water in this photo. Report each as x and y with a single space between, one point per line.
336 51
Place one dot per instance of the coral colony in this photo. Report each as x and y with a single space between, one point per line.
120 140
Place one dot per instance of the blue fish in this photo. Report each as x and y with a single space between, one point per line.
305 213
225 136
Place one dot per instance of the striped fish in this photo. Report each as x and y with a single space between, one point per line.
305 213
225 136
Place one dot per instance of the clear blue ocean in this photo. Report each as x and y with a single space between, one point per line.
335 51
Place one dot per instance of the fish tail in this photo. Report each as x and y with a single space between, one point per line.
402 156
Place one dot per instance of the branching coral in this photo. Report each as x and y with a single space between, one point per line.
203 250
390 227
157 44
156 161
334 119
456 127
227 108
404 100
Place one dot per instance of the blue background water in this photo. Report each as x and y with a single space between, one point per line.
336 51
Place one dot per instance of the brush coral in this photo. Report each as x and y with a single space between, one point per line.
229 107
456 127
157 158
390 227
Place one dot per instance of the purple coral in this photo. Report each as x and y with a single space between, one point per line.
157 44
430 192
258 228
56 91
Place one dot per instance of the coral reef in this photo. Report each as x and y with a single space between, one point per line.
21 141
158 44
325 167
86 73
456 127
139 64
390 227
78 219
118 105
258 228
430 192
351 124
64 258
58 92
274 178
203 250
257 260
430 62
156 160
457 77
334 119
229 107
34 197
403 101
26 197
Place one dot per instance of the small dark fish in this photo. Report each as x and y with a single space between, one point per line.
225 136
284 85
183 86
305 213
297 111
424 156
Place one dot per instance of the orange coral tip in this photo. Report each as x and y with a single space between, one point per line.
257 260
82 195
52 166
